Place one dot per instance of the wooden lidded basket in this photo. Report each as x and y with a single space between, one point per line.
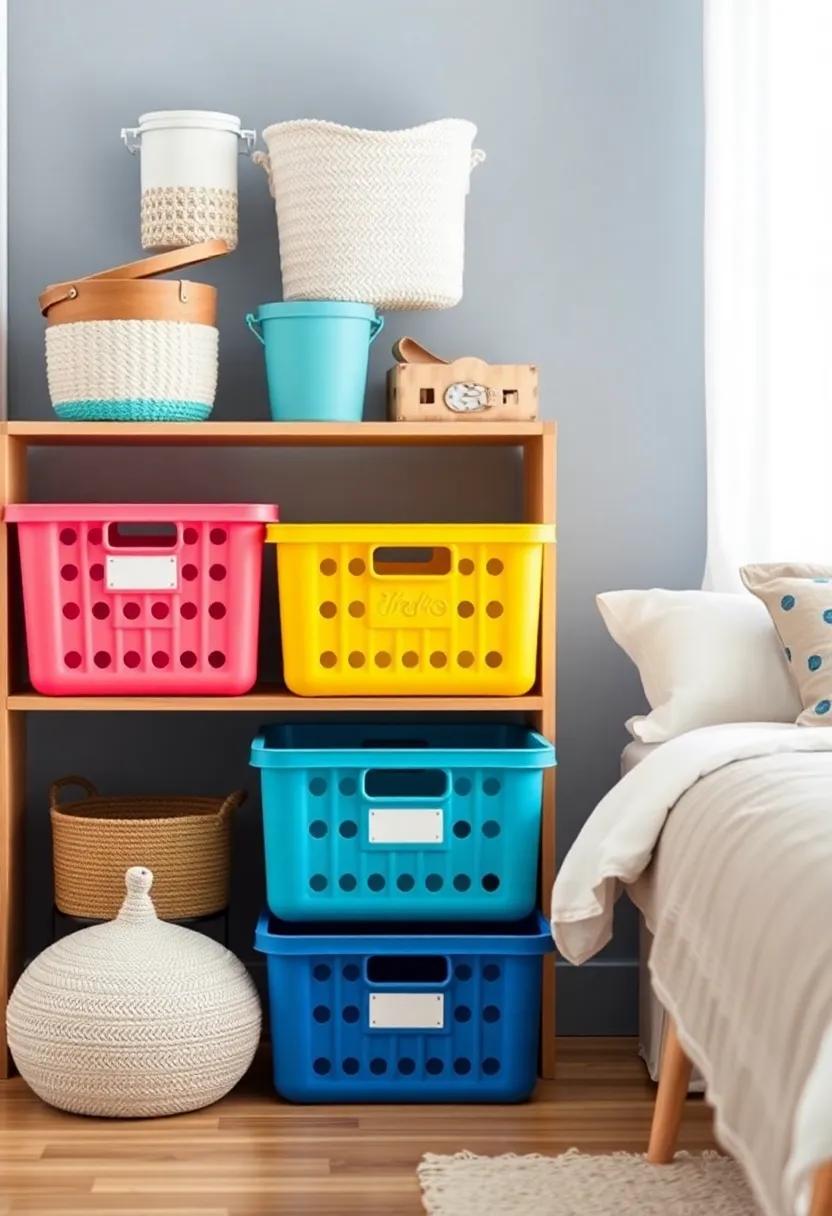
185 841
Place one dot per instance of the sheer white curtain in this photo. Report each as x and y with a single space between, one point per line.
768 283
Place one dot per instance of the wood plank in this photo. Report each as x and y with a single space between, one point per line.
276 700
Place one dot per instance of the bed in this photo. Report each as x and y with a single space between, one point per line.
722 836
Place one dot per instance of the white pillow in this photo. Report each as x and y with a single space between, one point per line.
703 657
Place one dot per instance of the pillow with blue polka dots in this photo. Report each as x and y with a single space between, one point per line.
799 601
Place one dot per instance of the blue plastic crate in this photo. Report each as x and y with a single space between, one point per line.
407 1016
406 821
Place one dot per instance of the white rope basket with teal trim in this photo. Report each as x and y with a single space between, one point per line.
122 371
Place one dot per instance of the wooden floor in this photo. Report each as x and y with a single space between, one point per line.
255 1155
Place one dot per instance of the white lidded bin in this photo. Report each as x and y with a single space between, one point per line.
188 175
374 217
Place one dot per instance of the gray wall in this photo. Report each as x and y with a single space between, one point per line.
583 255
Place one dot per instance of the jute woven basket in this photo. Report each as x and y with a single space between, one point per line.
185 841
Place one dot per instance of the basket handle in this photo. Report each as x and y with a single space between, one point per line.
62 782
262 159
232 803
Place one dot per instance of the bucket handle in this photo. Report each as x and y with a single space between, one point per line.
247 139
477 157
376 326
129 136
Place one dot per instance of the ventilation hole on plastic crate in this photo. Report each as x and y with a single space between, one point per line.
466 566
462 829
410 658
434 1066
494 565
318 882
465 658
378 1067
462 1014
347 786
160 658
328 610
405 882
69 572
493 658
491 1013
461 882
329 658
318 829
490 1066
189 572
72 611
328 566
216 610
491 786
321 1013
187 658
465 609
317 786
94 536
351 972
491 972
494 609
160 610
190 536
438 658
321 972
348 829
490 882
491 828
102 658
216 658
351 1013
350 1066
68 536
357 566
188 610
217 572
72 658
218 536
356 658
322 1066
347 882
132 658
462 786
406 1066
96 572
434 882
356 608
100 610
462 971
376 882
383 659
462 1066
132 610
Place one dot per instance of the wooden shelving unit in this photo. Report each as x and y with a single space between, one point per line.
537 441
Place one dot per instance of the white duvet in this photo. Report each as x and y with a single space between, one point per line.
739 897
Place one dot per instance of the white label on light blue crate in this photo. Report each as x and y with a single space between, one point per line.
407 1010
406 825
141 573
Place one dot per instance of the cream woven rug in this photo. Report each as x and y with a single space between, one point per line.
576 1184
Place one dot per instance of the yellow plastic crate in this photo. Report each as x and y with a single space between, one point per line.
409 608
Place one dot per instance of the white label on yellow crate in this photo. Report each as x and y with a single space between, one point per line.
406 825
141 573
407 1010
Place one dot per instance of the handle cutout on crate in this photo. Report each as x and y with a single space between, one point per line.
142 535
407 969
407 1010
409 560
405 783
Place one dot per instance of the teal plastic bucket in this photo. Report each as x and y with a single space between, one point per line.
316 357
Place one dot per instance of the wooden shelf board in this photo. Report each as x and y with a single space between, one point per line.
276 434
275 699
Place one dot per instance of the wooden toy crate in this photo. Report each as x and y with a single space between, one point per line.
424 388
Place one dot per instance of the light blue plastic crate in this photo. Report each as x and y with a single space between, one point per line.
406 821
405 1016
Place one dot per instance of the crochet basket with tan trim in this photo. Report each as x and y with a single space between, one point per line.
185 841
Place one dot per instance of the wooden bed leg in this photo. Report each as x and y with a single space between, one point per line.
822 1191
674 1079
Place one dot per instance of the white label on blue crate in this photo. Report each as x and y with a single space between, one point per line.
141 573
406 825
407 1010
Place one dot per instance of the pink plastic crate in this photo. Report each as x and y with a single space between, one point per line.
124 599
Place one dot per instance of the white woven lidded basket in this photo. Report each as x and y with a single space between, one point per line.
377 217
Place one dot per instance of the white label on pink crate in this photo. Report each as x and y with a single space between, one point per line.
141 573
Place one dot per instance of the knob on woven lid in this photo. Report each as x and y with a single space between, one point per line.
137 904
